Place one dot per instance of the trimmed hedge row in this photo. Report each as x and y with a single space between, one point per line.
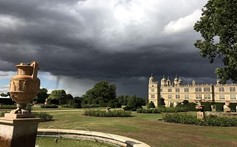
49 106
6 101
219 106
7 106
208 121
162 110
44 116
110 113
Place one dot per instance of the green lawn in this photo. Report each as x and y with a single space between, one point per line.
144 127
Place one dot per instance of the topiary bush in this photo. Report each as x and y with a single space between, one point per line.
150 105
110 113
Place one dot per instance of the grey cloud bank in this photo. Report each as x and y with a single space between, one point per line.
122 41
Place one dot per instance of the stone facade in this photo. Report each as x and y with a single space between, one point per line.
174 92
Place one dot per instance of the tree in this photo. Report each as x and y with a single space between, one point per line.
102 90
218 27
134 102
42 95
58 94
3 95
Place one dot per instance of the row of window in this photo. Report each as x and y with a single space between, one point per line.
205 89
206 96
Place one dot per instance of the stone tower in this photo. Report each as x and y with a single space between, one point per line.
153 91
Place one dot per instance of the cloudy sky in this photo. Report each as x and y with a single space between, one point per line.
80 42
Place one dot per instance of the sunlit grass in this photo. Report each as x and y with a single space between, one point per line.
144 127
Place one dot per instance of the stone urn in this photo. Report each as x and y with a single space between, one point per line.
24 86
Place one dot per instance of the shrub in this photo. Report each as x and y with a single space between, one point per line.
2 114
181 118
49 106
139 110
162 109
129 108
150 105
90 106
191 107
6 101
233 107
219 106
7 106
44 116
207 106
103 113
208 121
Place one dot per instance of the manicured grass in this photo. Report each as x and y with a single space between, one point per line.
144 127
63 142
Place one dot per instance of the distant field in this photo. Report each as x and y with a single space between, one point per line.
144 127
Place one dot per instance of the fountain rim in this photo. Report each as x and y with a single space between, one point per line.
90 135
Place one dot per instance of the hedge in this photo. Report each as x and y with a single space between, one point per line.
109 113
49 106
44 116
7 106
219 106
208 121
6 101
162 110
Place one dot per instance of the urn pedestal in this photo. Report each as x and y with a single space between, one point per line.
19 127
18 132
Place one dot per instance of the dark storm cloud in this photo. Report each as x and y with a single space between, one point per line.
121 41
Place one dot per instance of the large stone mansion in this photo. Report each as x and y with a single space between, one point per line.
174 92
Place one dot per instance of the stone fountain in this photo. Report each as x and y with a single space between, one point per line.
19 127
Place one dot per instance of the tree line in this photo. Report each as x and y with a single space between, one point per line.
103 94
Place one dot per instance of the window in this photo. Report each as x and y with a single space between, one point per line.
233 96
232 89
169 96
221 89
169 90
207 96
177 90
186 96
206 89
160 90
152 90
152 96
222 96
152 85
186 89
198 89
177 96
198 96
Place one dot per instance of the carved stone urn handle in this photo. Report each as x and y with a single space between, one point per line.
35 66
